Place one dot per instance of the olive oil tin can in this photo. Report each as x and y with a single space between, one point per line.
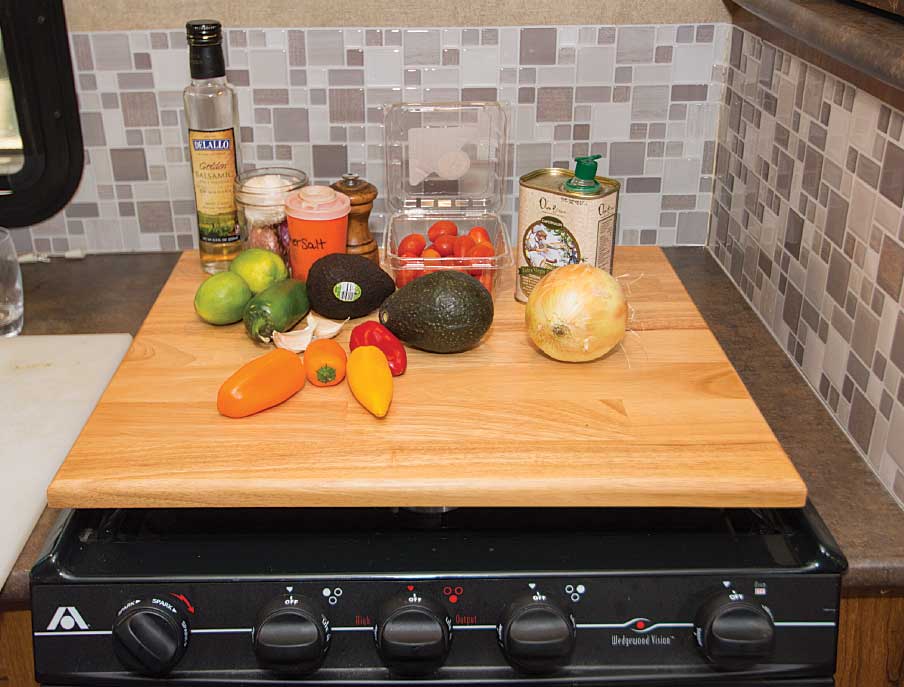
557 226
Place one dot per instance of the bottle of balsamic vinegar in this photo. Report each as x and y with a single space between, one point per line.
211 110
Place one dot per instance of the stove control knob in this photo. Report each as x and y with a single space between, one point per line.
150 636
734 632
413 635
536 634
291 635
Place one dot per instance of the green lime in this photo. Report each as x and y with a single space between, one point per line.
221 299
260 268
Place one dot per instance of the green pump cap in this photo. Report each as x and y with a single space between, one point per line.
585 167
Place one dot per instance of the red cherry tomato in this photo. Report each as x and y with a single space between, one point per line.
444 244
413 243
463 244
480 252
430 262
441 227
407 271
480 235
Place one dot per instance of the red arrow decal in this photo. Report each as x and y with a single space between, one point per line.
183 599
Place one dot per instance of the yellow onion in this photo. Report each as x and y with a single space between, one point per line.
577 313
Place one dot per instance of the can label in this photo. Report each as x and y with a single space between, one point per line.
213 169
558 228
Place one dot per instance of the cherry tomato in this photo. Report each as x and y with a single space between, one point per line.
413 243
441 227
480 235
463 244
480 252
444 244
430 263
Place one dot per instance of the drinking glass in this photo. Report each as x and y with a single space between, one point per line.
12 307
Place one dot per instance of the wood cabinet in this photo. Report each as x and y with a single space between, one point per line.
16 662
871 642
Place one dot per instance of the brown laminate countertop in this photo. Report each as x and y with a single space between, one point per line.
105 294
861 37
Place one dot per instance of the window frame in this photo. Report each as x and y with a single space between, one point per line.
36 46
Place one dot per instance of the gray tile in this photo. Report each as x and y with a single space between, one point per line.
324 47
621 94
135 81
479 94
354 57
527 95
470 37
531 156
897 351
290 125
82 210
93 129
155 216
689 93
866 331
346 105
861 420
139 109
891 267
650 103
677 113
489 37
297 49
679 202
581 132
271 96
81 45
134 137
623 75
592 94
891 183
626 159
663 54
373 37
705 33
451 56
554 104
87 82
111 51
644 185
685 34
868 171
159 41
142 60
839 274
167 243
635 44
812 174
792 307
794 231
129 164
836 218
238 77
606 35
422 46
109 101
538 46
330 161
813 90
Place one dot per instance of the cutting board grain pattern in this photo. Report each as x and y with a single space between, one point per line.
663 421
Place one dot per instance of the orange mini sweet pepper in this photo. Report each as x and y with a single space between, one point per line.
262 383
370 379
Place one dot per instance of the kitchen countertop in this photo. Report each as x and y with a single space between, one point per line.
114 293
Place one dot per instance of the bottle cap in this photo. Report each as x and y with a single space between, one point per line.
204 32
317 203
585 167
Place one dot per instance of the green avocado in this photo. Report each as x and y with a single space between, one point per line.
342 285
442 312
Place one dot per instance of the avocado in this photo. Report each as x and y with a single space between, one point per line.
342 285
442 312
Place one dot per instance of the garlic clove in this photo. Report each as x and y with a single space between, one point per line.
324 328
296 341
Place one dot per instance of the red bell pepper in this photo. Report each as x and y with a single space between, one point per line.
373 333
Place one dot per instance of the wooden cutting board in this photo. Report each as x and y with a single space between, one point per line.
664 421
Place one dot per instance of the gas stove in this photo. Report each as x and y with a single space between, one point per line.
475 596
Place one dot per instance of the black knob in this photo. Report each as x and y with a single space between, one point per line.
150 635
413 635
292 635
734 632
536 634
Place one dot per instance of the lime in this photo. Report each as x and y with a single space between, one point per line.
260 268
222 298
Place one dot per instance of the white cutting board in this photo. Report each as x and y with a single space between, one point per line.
48 387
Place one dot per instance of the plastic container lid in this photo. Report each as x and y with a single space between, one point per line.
317 203
443 157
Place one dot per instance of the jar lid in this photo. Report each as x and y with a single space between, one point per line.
317 203
268 186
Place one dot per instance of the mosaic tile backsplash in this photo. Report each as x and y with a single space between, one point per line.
644 97
808 222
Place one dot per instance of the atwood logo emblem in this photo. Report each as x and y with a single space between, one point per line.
67 618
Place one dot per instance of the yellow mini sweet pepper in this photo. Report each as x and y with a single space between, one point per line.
370 379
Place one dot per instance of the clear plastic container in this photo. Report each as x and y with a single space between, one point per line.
260 201
446 161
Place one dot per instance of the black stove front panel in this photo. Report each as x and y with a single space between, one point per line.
627 628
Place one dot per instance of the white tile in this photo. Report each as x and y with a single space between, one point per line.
357 152
652 73
383 66
681 175
354 38
104 235
148 242
555 76
638 210
276 38
263 134
610 122
268 68
692 63
170 69
151 190
837 139
479 66
180 181
888 470
317 77
451 38
864 120
525 122
237 58
106 81
140 41
298 96
437 76
596 65
568 35
665 35
114 129
508 46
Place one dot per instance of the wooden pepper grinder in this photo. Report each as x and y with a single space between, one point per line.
362 195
